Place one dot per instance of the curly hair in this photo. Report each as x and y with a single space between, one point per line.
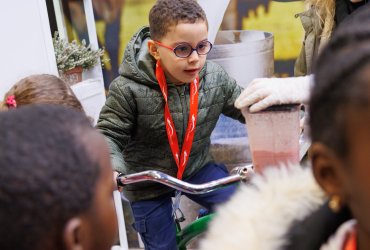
43 88
342 81
46 176
166 13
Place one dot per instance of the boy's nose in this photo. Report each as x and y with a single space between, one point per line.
193 56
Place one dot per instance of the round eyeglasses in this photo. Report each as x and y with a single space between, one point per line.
184 50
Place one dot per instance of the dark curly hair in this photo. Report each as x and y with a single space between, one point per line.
342 81
46 174
166 13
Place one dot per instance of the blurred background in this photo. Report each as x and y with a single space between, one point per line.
117 20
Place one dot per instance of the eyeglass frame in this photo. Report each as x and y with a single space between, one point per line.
192 49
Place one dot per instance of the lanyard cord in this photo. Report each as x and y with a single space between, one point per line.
180 159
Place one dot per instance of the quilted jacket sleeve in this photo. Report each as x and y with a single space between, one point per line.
117 120
232 91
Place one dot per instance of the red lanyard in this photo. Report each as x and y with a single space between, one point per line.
181 160
351 241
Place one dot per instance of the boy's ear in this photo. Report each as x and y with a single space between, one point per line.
72 234
153 49
327 169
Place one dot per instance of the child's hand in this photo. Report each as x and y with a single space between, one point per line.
115 175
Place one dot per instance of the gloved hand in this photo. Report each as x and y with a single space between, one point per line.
262 93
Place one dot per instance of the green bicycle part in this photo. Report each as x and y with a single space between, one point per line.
192 230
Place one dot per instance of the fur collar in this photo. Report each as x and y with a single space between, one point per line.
259 215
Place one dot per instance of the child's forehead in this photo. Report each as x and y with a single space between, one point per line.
186 31
175 24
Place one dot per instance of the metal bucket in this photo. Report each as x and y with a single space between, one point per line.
245 55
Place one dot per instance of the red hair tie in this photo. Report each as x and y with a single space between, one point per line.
10 101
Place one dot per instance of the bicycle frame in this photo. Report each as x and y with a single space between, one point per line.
188 233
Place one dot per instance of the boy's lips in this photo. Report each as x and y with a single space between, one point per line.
191 71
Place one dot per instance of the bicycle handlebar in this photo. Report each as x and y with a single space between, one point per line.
241 174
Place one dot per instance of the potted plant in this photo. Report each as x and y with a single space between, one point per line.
73 58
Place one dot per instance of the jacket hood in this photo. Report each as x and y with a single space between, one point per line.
138 65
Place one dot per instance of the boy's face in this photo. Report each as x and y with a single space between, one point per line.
182 70
100 220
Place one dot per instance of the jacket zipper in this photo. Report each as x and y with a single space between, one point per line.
183 98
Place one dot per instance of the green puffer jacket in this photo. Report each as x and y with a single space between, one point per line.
132 118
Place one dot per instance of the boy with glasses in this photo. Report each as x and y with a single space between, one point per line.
161 111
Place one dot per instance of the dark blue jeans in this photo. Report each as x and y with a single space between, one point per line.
154 220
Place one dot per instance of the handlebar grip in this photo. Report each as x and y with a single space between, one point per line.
119 181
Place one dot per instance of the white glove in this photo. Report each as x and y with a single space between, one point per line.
262 93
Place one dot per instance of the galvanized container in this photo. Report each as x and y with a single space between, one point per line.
244 54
